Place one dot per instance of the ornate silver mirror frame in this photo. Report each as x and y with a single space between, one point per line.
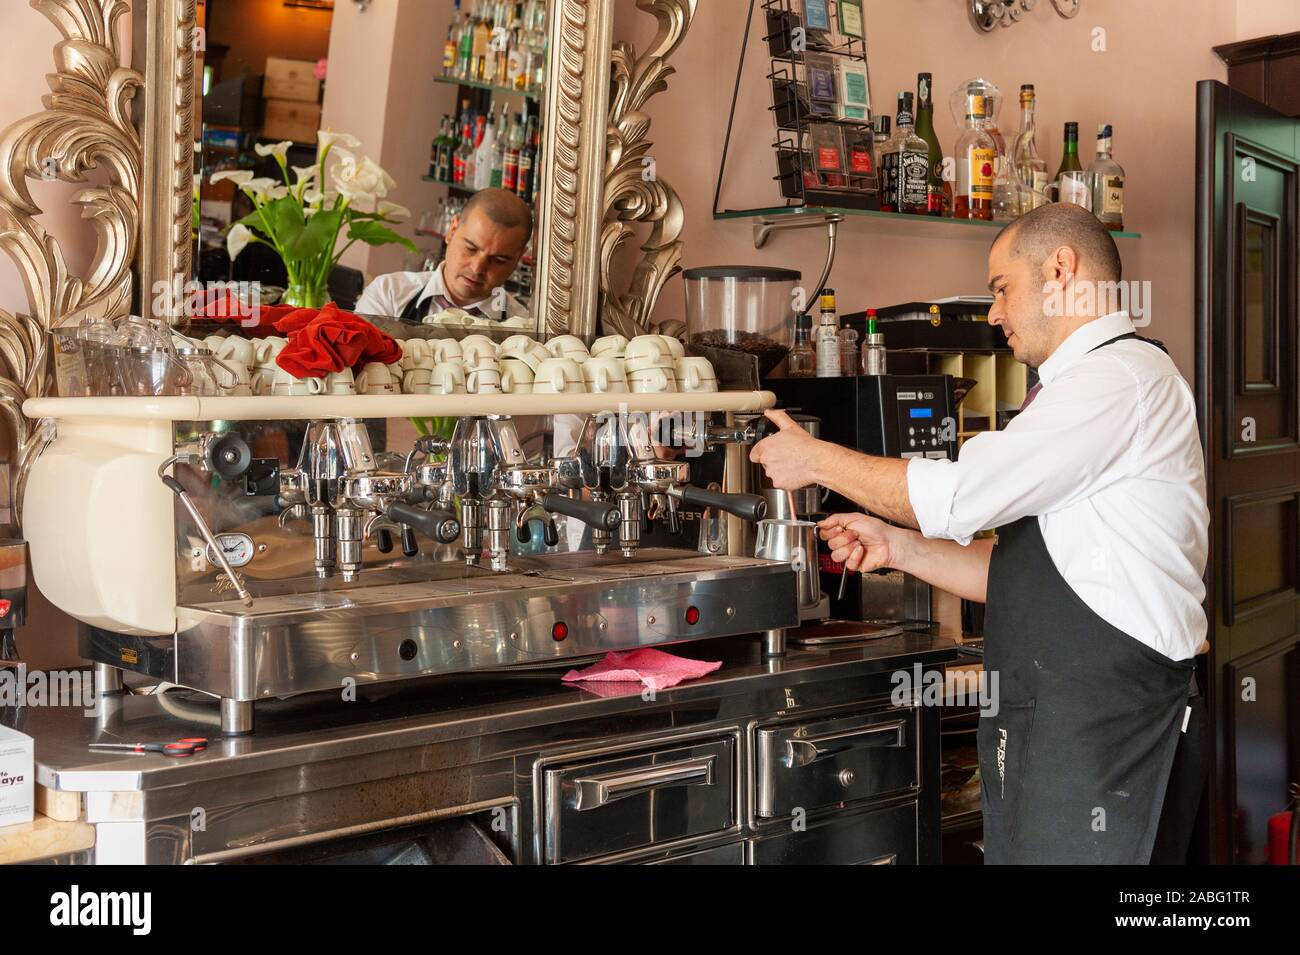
138 201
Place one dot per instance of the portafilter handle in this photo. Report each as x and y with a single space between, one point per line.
601 515
442 526
748 507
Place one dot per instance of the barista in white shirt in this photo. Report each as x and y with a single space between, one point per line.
1094 584
484 245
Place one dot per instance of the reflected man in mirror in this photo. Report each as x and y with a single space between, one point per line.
484 245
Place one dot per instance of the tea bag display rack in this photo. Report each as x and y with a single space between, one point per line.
149 526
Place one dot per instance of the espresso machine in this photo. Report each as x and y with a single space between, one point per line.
899 416
193 557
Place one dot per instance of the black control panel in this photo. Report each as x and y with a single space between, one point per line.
894 416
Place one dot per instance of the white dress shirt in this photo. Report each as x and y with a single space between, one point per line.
389 294
1108 458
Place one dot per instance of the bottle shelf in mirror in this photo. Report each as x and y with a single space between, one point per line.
490 87
776 218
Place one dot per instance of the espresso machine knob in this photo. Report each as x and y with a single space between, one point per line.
228 456
441 526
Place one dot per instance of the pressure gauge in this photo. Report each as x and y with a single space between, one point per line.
237 548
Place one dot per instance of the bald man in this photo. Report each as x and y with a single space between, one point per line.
484 246
1094 584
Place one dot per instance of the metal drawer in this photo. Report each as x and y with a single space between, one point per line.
645 798
835 760
878 837
731 854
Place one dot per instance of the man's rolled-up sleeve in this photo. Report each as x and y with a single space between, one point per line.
1075 438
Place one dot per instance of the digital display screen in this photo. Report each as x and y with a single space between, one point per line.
920 412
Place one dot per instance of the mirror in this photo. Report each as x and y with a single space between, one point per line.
411 131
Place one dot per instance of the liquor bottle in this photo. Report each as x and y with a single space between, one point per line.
938 191
873 348
510 172
499 149
465 56
828 341
482 45
802 362
880 130
1071 180
464 151
1107 178
471 160
904 165
451 47
976 153
1031 169
437 166
527 164
483 155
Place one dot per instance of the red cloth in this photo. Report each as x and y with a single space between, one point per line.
224 306
328 340
654 668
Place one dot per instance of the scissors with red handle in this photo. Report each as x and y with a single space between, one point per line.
180 747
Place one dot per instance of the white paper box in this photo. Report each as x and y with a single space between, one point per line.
17 773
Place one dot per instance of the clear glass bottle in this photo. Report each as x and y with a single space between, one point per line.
1031 169
873 348
802 362
828 342
848 352
1107 179
976 153
1071 181
904 165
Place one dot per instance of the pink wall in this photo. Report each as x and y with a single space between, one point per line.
1143 84
381 90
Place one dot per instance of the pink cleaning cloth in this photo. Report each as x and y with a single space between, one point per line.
654 668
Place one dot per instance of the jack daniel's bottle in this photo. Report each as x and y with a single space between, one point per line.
905 166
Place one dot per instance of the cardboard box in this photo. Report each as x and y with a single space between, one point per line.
291 79
292 120
17 775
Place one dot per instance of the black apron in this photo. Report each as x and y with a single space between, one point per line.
414 312
1075 763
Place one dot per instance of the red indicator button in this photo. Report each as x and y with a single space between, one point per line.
692 615
5 606
560 631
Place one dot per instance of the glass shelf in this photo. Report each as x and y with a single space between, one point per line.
476 84
889 223
453 186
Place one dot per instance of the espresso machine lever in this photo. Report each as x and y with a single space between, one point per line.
205 460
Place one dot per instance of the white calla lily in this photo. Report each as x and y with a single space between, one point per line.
258 188
327 139
237 239
393 211
240 177
277 192
279 150
305 174
361 182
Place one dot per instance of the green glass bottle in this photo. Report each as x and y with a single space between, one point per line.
1071 181
938 191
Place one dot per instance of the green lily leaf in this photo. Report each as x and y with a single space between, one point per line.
286 220
375 233
314 240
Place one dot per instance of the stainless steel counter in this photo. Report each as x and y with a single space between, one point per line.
492 745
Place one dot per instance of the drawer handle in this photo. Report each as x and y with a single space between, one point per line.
805 750
595 791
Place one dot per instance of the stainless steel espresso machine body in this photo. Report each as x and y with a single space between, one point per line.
899 416
194 556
